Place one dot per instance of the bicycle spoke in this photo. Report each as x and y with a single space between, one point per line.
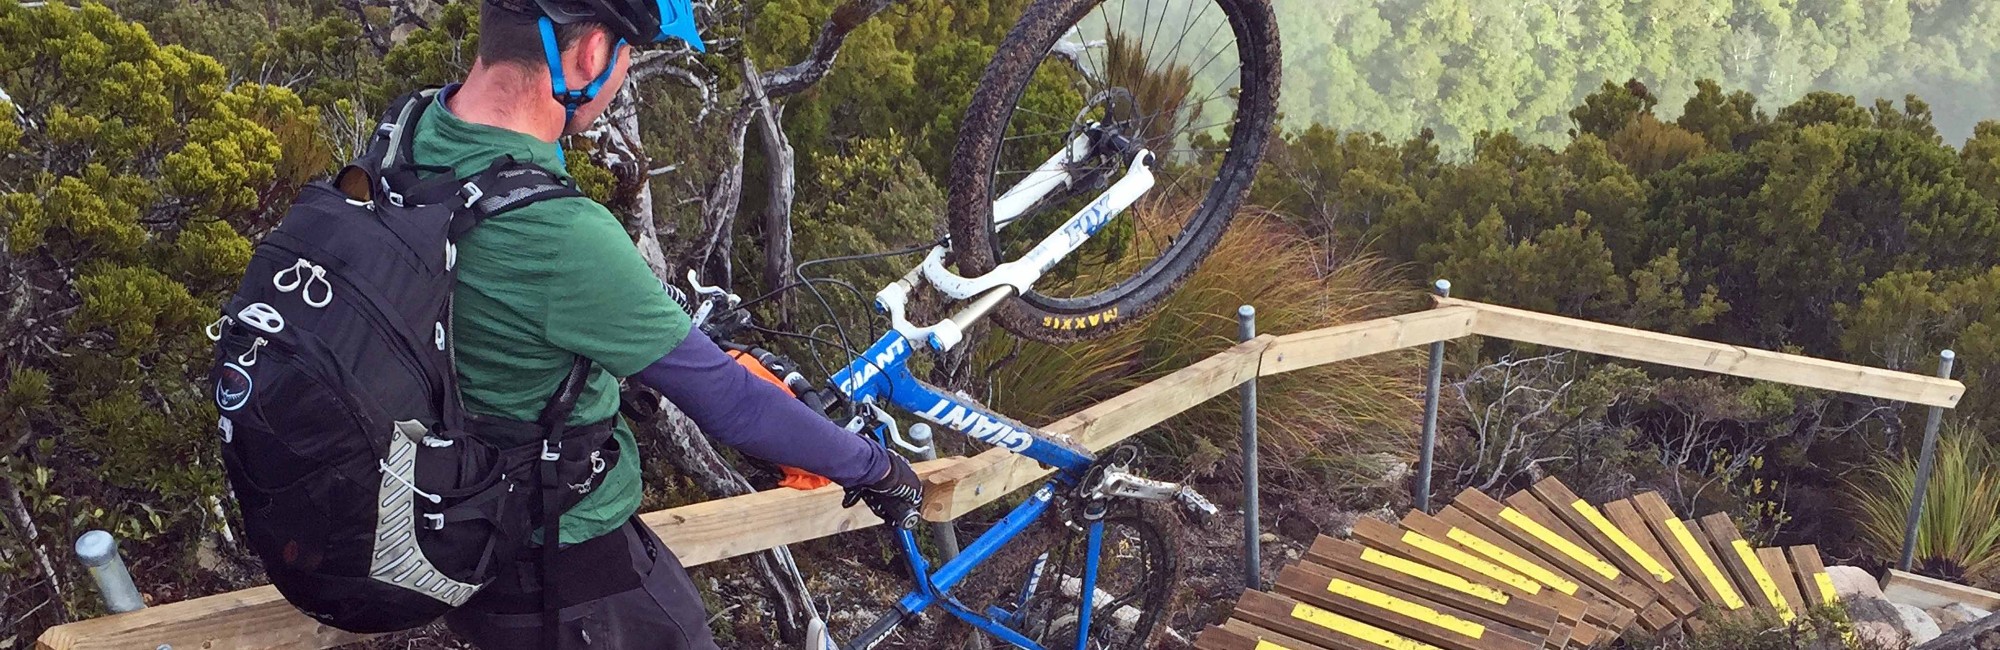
1173 53
1227 47
1043 134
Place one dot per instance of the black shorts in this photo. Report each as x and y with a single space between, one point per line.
622 590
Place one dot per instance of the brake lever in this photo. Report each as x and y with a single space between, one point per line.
708 297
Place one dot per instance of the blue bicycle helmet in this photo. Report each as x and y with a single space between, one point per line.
637 21
633 21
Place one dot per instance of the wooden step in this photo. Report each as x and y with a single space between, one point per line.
1615 545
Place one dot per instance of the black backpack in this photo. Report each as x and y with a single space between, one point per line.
344 439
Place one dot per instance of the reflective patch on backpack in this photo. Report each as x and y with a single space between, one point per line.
398 559
232 387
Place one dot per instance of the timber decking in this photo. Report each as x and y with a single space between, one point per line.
1539 570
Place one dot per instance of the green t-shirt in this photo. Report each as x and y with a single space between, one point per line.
539 285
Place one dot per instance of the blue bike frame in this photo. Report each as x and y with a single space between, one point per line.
883 375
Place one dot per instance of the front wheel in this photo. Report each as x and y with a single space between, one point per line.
1193 81
1038 581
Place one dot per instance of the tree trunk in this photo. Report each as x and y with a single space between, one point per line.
780 160
718 215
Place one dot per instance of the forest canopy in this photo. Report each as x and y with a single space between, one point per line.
1466 66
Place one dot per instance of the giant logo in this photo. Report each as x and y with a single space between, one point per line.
232 387
865 370
985 428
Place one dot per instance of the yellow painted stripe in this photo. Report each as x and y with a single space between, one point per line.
1826 592
1763 578
1519 564
1433 576
1357 629
1466 560
1267 645
1406 608
1560 544
1624 543
1730 599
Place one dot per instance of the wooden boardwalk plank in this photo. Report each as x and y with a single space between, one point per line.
1743 563
1524 520
1614 545
1774 562
1814 583
1318 626
1690 553
1400 611
1331 557
1568 608
1260 632
1475 536
1234 632
1556 535
1624 513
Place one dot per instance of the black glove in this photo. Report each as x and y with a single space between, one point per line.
895 497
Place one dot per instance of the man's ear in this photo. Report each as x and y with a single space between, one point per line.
593 53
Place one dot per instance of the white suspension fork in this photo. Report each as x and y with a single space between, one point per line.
1016 276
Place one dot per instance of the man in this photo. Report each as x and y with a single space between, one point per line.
543 284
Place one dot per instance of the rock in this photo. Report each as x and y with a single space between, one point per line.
1299 528
1268 538
1951 617
1852 582
1920 626
1394 470
1983 634
1877 622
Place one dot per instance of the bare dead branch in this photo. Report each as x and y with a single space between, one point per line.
718 214
18 509
653 64
797 77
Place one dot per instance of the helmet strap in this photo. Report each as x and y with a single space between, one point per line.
559 86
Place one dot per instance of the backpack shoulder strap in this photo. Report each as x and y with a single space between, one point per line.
387 151
506 185
392 143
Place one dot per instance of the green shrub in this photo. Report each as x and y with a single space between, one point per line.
1824 628
1958 535
124 207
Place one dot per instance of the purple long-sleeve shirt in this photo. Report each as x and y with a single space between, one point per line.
755 417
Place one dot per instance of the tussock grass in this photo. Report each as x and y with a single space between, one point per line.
1335 425
1958 536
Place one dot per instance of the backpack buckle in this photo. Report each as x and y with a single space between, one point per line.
471 192
551 451
434 520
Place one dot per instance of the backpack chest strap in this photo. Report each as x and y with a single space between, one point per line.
505 186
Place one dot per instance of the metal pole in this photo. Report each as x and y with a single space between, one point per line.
1926 461
943 531
99 552
1246 329
1422 491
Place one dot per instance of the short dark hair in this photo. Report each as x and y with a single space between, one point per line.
508 35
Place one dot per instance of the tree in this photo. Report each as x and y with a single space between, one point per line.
124 211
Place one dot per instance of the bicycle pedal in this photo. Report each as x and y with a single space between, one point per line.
1195 503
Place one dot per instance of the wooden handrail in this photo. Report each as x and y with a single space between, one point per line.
705 532
1680 351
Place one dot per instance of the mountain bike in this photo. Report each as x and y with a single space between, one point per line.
1087 107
